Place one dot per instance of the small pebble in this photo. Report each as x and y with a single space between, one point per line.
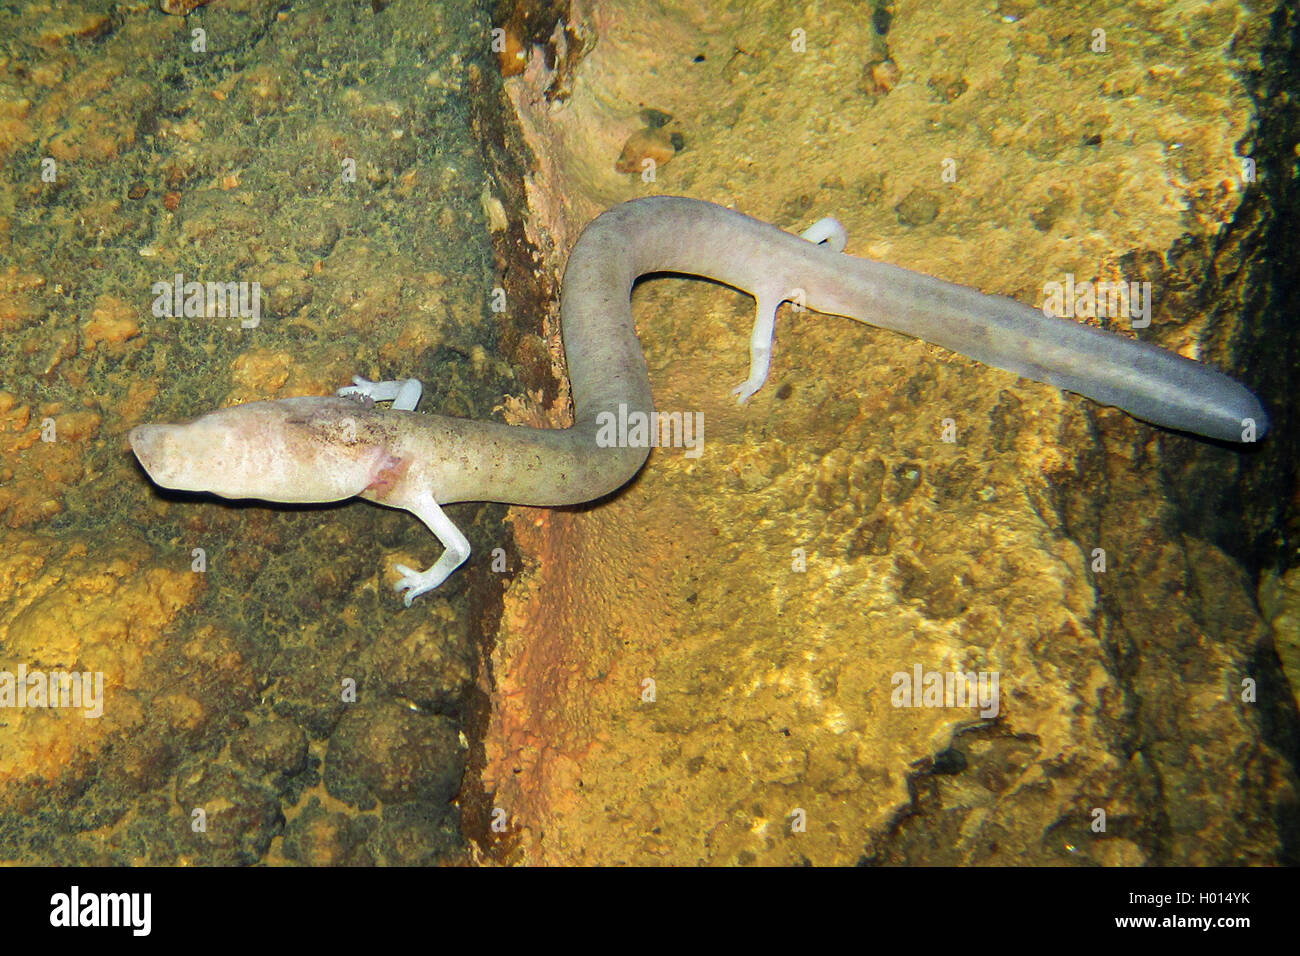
512 57
917 208
880 76
179 7
656 144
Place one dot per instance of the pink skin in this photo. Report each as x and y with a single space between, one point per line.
305 450
293 450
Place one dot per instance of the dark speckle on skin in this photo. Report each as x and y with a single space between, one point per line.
347 423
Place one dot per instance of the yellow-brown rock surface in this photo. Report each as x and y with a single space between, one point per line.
771 684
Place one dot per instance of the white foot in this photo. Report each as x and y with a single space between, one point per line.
415 583
404 394
760 345
826 231
829 231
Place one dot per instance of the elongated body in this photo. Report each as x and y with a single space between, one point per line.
326 449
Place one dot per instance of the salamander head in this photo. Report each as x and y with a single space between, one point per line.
291 450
